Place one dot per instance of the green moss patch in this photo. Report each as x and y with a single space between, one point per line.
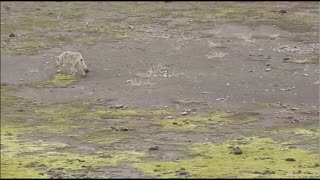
33 159
261 158
305 61
57 80
204 122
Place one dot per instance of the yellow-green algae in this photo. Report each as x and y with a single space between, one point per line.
307 132
37 155
201 122
32 157
16 156
131 112
261 158
58 80
305 61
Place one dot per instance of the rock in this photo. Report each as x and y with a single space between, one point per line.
282 11
118 106
290 159
294 109
237 151
286 58
268 69
175 123
124 129
267 64
268 172
182 173
169 117
155 148
12 35
185 113
305 74
292 147
297 172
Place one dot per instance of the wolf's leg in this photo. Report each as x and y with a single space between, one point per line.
75 71
72 70
74 67
58 65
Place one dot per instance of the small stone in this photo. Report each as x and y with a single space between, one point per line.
169 117
294 109
237 151
290 159
182 173
175 123
286 58
268 69
316 164
298 172
292 147
118 106
305 74
12 35
185 113
155 148
268 172
20 110
267 64
282 11
124 129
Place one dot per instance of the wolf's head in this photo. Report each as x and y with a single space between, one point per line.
83 65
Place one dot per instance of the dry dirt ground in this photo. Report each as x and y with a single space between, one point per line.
175 90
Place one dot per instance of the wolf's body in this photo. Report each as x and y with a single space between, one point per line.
74 59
